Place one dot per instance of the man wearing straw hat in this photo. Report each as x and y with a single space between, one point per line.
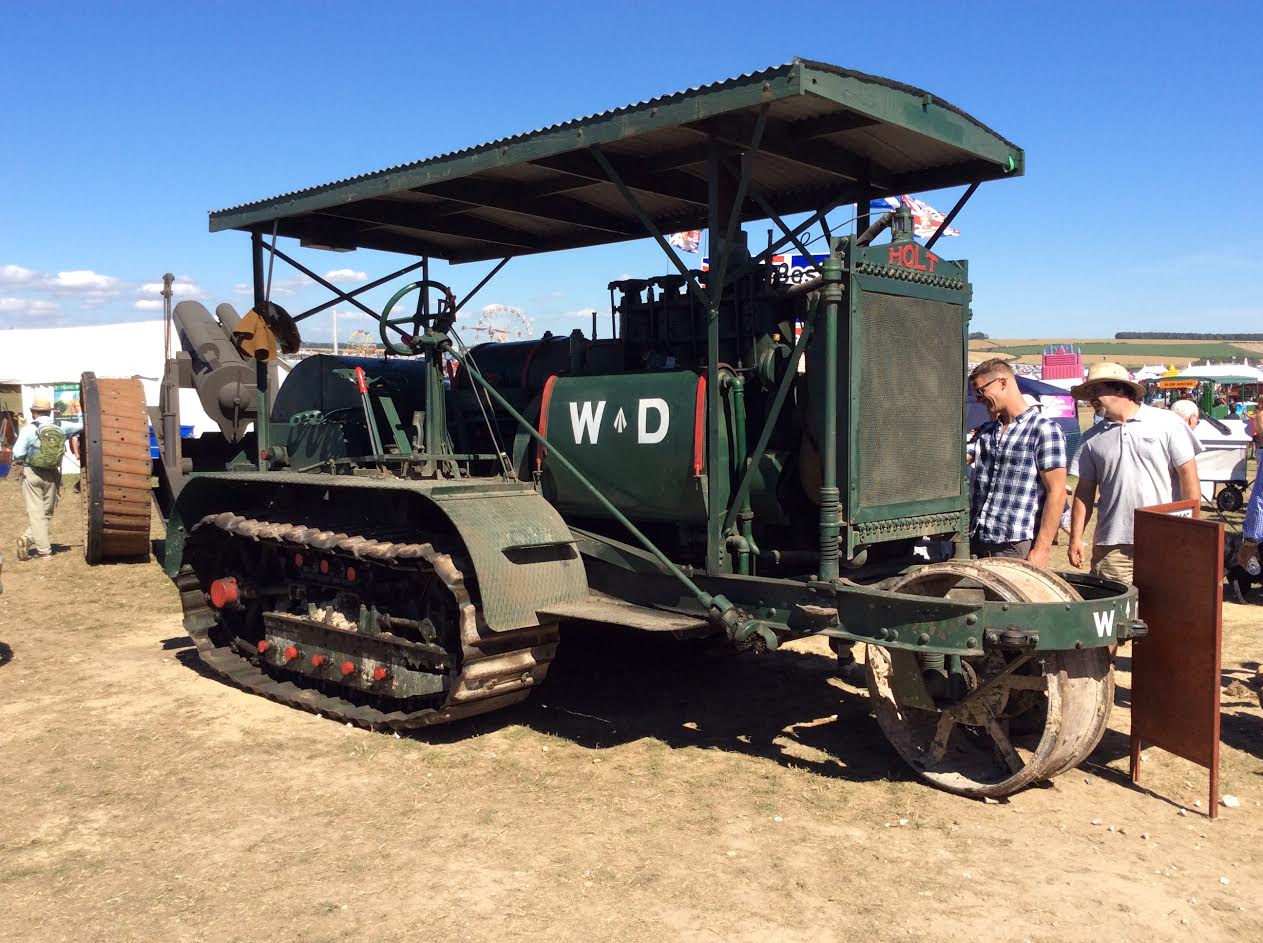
1136 457
40 447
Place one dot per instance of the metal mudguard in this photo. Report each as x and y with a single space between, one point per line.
522 552
1105 616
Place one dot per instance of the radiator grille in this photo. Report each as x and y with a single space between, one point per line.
911 406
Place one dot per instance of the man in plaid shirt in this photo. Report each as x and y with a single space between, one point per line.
1019 474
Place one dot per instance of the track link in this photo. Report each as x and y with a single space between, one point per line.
490 671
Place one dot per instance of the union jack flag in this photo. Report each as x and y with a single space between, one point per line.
688 241
925 218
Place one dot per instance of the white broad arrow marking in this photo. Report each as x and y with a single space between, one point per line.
643 435
620 421
586 421
1104 623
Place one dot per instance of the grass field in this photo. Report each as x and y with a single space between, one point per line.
1131 353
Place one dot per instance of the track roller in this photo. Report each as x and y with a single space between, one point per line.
1021 718
116 470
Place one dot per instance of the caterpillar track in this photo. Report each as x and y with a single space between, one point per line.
250 578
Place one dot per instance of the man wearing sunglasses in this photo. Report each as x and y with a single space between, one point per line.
1137 457
1019 471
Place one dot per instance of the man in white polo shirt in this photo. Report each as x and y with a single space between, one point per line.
1136 457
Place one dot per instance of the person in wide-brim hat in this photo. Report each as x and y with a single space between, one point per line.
1107 373
1137 456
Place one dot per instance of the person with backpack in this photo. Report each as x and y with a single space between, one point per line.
39 447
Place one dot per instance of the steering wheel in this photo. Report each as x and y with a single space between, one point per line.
411 327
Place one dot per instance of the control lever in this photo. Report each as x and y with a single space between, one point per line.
374 439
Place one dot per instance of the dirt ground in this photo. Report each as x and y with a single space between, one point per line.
645 793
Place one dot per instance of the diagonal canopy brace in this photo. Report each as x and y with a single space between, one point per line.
633 203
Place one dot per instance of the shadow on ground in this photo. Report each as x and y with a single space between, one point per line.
611 687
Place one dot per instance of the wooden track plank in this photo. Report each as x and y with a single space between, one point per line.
116 469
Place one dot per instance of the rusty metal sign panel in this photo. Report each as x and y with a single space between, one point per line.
1175 670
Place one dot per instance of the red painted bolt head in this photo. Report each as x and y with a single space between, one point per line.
298 559
348 667
263 646
350 573
224 592
291 653
317 660
380 673
324 566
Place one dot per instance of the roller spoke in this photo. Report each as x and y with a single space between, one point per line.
1027 718
1004 746
1027 682
942 733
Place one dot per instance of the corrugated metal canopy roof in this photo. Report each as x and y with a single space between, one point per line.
827 129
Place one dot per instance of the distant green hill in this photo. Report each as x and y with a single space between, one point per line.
1192 350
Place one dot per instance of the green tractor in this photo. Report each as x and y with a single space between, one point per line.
765 448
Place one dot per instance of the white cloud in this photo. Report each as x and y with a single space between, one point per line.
281 287
585 313
285 287
27 306
147 304
345 275
83 280
15 275
85 283
182 287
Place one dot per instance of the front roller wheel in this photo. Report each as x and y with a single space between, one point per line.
1021 718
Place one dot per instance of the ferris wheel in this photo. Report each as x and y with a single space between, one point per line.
502 323
361 344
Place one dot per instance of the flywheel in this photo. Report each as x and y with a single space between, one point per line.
116 469
1018 717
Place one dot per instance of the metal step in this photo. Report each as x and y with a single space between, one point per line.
598 607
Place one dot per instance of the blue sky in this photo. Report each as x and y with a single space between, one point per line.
125 123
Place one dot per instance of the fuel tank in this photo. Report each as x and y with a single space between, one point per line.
640 438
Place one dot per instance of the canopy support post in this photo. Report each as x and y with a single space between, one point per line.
694 285
864 199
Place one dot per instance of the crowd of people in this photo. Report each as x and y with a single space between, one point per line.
1134 456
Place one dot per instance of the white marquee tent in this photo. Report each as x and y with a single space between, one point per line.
37 359
1227 372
